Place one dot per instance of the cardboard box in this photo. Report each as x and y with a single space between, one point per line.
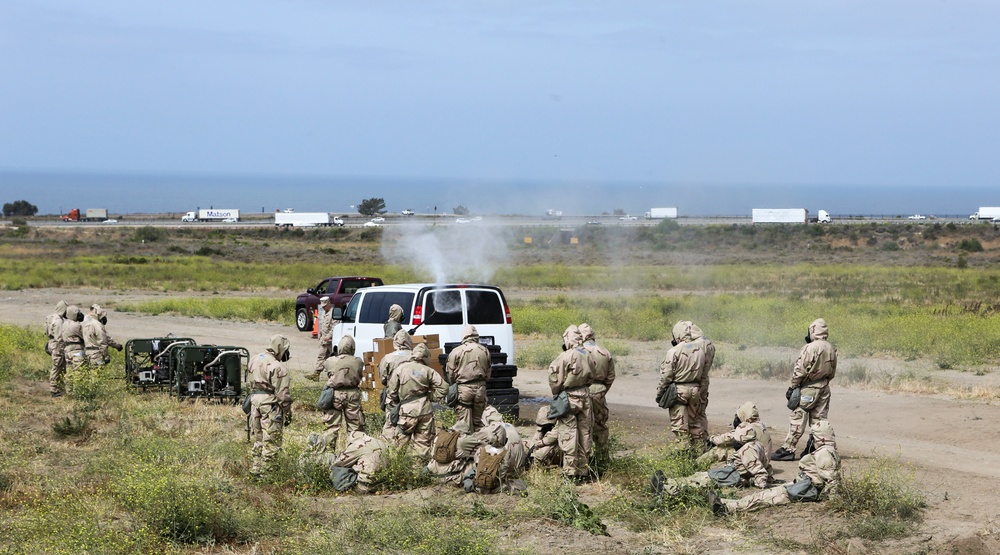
371 381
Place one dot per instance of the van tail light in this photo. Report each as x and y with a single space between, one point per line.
506 313
418 315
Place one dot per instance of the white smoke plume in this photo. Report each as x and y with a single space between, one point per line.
449 252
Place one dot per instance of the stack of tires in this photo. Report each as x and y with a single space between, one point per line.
500 390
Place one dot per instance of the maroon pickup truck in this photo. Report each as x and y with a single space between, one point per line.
339 289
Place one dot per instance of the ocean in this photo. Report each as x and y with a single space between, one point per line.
56 193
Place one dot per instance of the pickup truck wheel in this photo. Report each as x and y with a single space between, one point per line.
303 320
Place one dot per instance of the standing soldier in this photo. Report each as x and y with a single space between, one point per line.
604 376
393 324
412 389
72 336
815 367
344 375
271 403
403 345
684 366
469 367
698 335
572 372
53 328
95 337
325 334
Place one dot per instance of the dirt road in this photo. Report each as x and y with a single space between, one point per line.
951 443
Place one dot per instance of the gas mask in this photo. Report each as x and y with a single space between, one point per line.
287 355
809 338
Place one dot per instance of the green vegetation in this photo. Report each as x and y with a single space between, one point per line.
247 309
881 498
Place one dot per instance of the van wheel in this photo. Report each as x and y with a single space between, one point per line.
303 321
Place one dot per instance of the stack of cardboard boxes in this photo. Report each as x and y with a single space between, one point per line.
371 382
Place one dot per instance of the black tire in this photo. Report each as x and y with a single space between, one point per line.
503 396
499 383
303 320
503 371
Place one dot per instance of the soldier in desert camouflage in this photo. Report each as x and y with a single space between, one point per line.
96 339
747 466
604 376
343 372
413 387
53 329
572 372
469 366
686 366
271 403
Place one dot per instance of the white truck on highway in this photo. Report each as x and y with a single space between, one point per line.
779 215
986 213
305 219
212 215
661 213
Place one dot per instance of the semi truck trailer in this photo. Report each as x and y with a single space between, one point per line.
661 213
212 215
986 213
779 215
90 215
302 219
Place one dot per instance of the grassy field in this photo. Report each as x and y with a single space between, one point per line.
108 470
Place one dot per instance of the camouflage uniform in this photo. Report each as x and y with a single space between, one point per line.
698 335
685 365
746 416
822 467
750 460
343 373
393 325
53 329
403 345
413 387
465 452
72 336
95 337
271 403
604 376
469 366
573 372
543 447
515 445
815 367
324 332
365 454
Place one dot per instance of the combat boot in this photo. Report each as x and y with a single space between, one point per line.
718 507
656 481
783 454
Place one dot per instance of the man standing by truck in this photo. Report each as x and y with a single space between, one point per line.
324 332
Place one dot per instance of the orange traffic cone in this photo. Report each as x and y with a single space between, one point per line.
315 324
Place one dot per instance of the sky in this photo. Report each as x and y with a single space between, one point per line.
886 93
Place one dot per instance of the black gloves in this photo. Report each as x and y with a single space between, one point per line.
287 419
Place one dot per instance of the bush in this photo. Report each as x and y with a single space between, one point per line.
149 234
402 471
550 495
970 245
72 426
22 353
882 497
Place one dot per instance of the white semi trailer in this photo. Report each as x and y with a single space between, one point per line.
211 215
780 215
661 213
986 213
301 219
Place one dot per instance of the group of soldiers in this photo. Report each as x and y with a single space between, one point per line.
76 338
480 451
746 450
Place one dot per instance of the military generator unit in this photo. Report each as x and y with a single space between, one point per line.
186 369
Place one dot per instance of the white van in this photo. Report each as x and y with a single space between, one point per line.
428 309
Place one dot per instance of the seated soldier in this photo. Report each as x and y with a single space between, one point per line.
543 447
721 447
515 445
457 457
819 475
355 466
747 466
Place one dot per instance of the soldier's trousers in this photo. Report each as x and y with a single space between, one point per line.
801 418
684 415
345 417
325 350
58 371
96 358
699 431
574 431
266 427
471 404
673 486
599 406
417 432
769 497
